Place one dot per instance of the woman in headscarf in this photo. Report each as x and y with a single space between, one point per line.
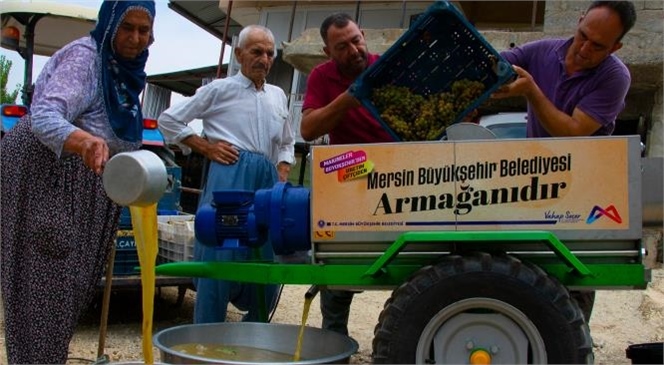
57 224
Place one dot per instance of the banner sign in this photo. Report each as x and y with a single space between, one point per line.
543 184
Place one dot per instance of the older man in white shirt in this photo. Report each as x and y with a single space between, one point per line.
250 144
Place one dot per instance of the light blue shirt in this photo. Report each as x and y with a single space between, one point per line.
232 110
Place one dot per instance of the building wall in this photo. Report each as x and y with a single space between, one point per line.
370 15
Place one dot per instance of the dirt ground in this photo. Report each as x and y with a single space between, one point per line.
620 318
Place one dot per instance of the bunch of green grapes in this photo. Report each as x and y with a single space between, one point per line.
445 111
414 117
398 107
465 92
399 100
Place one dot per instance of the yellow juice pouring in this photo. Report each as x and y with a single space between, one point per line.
144 221
300 336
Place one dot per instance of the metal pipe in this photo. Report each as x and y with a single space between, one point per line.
533 17
425 254
106 302
190 190
292 19
220 66
403 14
290 36
28 55
303 162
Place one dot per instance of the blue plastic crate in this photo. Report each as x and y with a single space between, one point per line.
440 48
125 262
126 256
125 218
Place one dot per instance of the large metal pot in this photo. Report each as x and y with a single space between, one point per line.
137 178
319 346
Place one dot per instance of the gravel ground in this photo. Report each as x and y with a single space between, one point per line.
621 318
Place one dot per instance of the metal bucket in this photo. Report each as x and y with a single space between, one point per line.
136 178
319 346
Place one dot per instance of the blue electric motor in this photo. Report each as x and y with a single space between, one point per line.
238 219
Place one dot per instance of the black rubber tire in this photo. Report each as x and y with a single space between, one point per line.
541 298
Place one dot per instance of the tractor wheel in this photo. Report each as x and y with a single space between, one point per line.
476 308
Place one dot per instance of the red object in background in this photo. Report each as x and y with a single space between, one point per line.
11 32
149 123
10 37
14 111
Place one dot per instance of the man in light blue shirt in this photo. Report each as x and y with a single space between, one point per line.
250 145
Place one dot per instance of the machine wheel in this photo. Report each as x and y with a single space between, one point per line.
493 308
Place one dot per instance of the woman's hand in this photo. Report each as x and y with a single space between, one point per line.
93 150
95 154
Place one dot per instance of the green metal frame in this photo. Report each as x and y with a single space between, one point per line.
548 238
384 273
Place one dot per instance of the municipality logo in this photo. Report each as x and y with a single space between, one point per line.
610 212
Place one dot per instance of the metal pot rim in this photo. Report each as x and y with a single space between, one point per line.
353 346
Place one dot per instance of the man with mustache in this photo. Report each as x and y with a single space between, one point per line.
329 108
575 86
250 145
